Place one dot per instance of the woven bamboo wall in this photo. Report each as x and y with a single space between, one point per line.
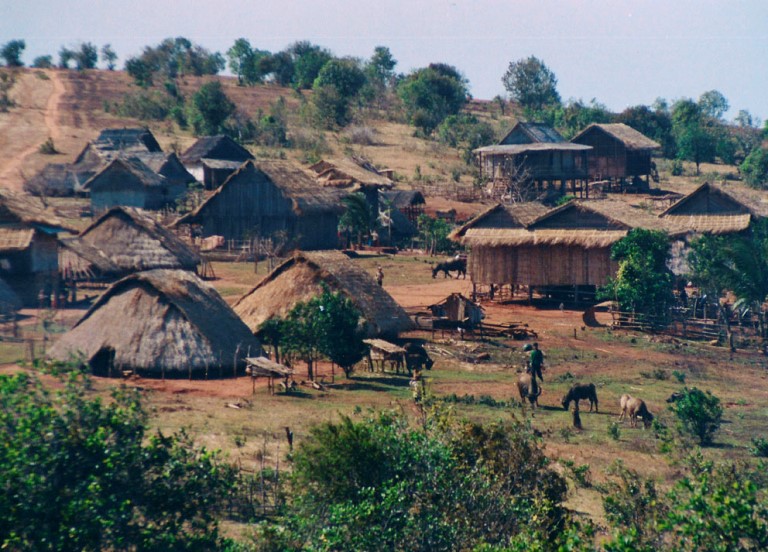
541 266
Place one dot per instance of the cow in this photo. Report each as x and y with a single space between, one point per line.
581 392
634 408
528 388
416 357
446 267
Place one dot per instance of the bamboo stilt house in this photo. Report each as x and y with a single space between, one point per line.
568 246
160 323
301 277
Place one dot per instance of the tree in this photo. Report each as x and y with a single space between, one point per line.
11 52
244 61
357 215
338 82
654 123
140 71
643 283
209 109
80 473
86 56
380 484
713 104
43 62
755 168
431 94
380 68
576 115
280 66
698 414
465 132
65 56
176 57
695 141
532 84
308 60
7 80
340 331
109 56
434 235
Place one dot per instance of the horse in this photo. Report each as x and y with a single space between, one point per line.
459 265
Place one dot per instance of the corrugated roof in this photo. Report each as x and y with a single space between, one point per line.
517 149
631 138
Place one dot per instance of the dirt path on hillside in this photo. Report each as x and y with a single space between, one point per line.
26 135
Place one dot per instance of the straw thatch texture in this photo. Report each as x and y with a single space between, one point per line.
134 241
21 208
215 147
631 138
346 173
518 149
299 279
529 132
15 238
78 260
161 322
710 224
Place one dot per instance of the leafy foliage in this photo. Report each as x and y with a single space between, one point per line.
11 52
337 83
755 168
80 473
434 234
431 94
531 83
109 55
209 109
43 62
693 133
466 132
357 215
379 484
173 57
245 62
643 283
698 414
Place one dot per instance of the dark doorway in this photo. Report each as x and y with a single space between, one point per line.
103 362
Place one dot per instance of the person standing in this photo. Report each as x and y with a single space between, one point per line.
536 362
379 276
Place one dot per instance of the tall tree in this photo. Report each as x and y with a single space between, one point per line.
86 56
244 61
109 56
209 109
308 60
431 94
695 140
713 104
11 52
531 83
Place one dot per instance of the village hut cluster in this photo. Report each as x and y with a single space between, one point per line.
153 261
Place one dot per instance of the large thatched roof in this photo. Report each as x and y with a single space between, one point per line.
79 260
715 209
131 165
134 241
16 208
519 149
631 138
299 279
162 322
587 224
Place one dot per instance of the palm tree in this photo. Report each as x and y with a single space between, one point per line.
357 216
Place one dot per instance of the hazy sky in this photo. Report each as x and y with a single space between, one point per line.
620 52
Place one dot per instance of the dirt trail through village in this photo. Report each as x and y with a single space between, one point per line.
31 141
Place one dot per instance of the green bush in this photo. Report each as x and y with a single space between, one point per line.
759 447
80 473
698 413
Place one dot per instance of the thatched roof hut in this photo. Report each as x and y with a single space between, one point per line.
134 241
260 200
56 180
349 174
711 209
566 246
301 277
114 142
160 323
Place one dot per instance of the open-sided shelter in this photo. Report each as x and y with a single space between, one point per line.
261 200
213 158
28 247
566 247
160 323
301 277
620 153
133 241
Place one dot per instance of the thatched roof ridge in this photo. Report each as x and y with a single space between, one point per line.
298 279
126 139
135 166
748 201
297 186
518 215
631 138
215 147
22 208
347 169
15 238
162 321
518 237
536 132
517 149
134 241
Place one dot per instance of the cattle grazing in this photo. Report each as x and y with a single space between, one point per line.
581 392
634 408
446 267
528 388
416 357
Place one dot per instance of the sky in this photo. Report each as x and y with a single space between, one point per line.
620 53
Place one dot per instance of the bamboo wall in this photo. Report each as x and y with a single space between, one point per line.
541 265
